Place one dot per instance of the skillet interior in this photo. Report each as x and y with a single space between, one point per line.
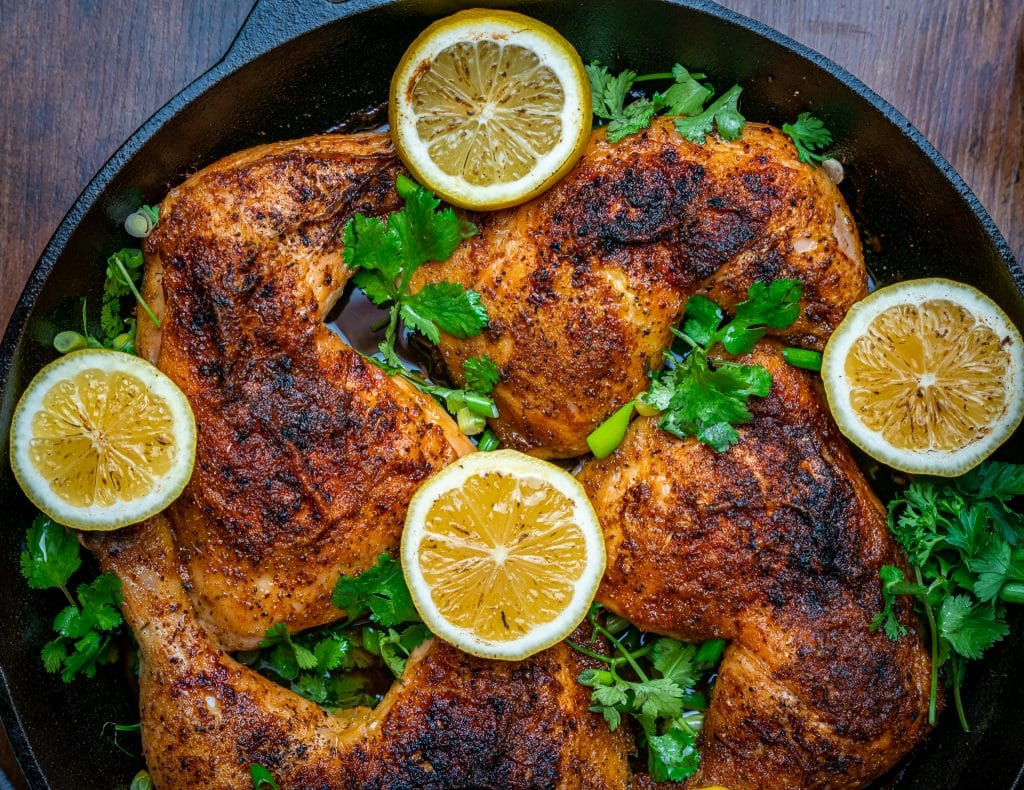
297 71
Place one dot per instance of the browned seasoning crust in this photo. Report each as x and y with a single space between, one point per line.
775 545
307 453
453 721
584 283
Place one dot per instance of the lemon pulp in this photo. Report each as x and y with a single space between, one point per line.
502 553
481 126
100 437
928 376
497 535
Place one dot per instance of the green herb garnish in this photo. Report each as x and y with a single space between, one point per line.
965 544
386 253
810 137
723 115
686 96
332 665
700 397
379 592
261 777
658 683
802 358
87 626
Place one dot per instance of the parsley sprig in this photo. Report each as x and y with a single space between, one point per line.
656 682
87 626
333 665
965 545
810 137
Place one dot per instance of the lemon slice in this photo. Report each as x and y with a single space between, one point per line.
502 554
926 376
489 108
102 439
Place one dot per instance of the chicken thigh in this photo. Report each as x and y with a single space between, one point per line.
584 283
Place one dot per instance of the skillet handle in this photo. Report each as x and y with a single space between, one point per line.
274 22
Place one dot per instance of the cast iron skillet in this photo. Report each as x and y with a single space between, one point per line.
300 68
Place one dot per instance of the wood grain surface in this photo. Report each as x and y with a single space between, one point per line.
77 77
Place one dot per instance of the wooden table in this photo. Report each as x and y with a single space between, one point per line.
79 77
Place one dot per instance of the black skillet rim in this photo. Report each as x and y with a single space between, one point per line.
253 40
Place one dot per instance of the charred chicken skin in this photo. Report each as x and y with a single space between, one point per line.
308 455
452 721
584 283
775 545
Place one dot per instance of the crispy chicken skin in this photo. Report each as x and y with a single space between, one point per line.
775 545
583 284
452 721
307 453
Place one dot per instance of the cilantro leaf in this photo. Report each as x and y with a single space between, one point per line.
447 306
608 93
961 537
723 114
996 565
379 591
85 630
672 757
668 709
51 555
685 96
481 374
707 403
706 399
387 252
968 628
675 661
776 305
810 136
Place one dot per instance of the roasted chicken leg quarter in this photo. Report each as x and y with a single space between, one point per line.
452 721
775 545
307 453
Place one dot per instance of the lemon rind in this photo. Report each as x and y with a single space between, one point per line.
515 463
121 514
940 463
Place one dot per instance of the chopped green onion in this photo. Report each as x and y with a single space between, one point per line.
645 409
480 404
138 225
609 434
802 358
261 777
68 341
141 781
488 441
405 187
1012 592
469 423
